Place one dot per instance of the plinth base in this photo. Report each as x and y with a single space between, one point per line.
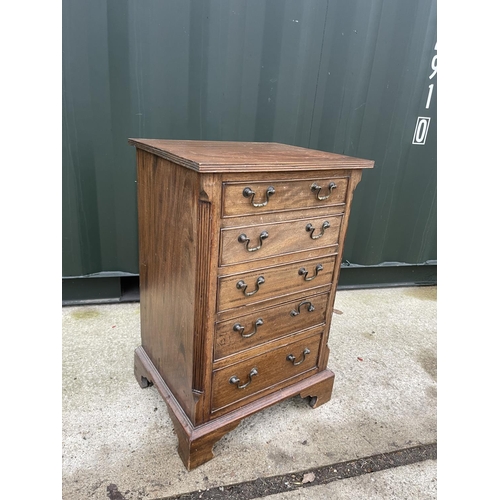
196 442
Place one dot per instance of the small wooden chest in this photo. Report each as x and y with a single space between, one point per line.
240 248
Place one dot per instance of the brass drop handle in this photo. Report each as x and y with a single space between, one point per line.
291 357
249 193
310 228
303 272
241 285
294 312
243 238
316 189
240 329
235 380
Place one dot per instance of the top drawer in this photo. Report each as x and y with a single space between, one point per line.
250 198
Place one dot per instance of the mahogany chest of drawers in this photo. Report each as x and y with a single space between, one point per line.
240 247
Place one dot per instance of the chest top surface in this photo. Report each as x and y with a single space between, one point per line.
233 156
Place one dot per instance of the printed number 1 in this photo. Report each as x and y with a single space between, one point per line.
429 96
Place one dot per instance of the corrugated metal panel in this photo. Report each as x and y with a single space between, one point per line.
348 77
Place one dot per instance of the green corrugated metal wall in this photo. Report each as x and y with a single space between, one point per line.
347 77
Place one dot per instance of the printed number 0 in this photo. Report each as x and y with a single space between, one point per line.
421 130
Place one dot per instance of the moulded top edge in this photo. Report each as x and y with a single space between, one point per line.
234 156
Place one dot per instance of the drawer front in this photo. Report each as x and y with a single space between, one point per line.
251 330
261 284
250 243
240 381
260 197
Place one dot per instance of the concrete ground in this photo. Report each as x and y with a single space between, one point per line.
118 441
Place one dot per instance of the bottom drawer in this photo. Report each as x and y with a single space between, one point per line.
242 380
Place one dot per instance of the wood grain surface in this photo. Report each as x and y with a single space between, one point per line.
272 368
279 281
227 156
288 195
278 238
167 198
273 323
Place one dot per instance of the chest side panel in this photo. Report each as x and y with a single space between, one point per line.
167 205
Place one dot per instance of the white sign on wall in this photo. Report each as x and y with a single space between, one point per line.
423 122
421 130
